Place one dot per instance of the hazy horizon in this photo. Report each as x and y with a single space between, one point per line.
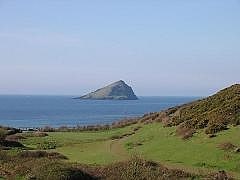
159 48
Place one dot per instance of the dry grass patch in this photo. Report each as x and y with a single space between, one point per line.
184 133
227 146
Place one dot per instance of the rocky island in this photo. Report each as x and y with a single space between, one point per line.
116 91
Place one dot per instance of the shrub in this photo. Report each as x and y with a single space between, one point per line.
214 128
40 134
137 168
52 170
137 128
41 154
43 169
47 129
3 134
4 156
14 137
227 146
184 132
113 137
45 145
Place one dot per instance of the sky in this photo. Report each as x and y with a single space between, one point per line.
159 47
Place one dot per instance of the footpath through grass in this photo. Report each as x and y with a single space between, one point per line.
85 147
152 141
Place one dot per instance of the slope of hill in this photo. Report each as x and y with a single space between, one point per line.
116 91
73 151
213 113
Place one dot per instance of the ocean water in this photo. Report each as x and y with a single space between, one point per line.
55 111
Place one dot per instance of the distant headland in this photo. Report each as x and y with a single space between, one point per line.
116 91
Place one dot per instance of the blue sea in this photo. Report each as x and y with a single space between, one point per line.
55 111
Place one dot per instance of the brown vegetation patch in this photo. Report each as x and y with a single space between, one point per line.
40 134
185 133
227 146
14 137
220 175
41 154
137 168
35 134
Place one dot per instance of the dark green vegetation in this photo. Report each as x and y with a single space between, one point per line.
213 113
50 166
37 165
116 91
134 149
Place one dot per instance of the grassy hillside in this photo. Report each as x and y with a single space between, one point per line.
152 142
94 153
213 113
102 152
85 147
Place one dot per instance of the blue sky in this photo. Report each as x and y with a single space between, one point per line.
159 47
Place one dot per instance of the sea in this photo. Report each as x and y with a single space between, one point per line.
30 111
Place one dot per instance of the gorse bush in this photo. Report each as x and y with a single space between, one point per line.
54 170
38 165
214 128
137 168
213 113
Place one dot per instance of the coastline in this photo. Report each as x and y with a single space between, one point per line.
57 111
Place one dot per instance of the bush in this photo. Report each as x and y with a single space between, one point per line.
214 128
41 154
3 134
14 137
40 134
184 132
45 145
113 137
4 156
52 170
43 169
227 146
137 168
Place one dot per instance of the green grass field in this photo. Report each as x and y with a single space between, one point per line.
86 147
161 144
153 142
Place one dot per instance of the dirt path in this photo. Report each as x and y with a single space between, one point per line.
117 148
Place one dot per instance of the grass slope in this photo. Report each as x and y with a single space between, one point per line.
159 141
161 144
151 142
213 113
85 147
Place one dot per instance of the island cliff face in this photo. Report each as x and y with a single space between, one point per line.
115 91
